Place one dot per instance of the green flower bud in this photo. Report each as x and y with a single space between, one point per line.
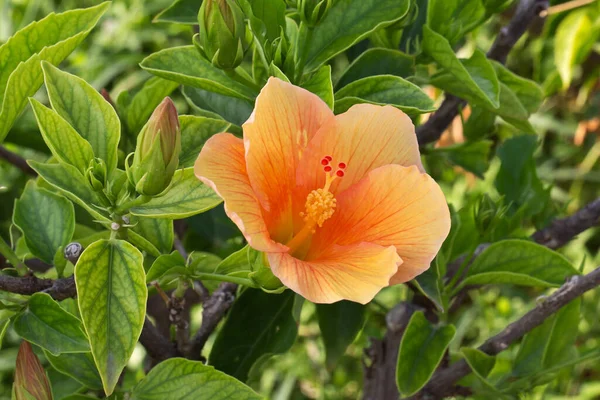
261 273
222 37
157 151
96 174
312 11
31 381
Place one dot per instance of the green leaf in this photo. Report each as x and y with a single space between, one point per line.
549 344
79 366
112 293
232 109
272 15
574 39
454 18
180 12
481 123
72 184
431 284
64 141
473 156
47 221
46 324
195 131
86 111
185 197
346 23
320 84
519 262
421 350
529 93
382 90
145 101
340 323
258 325
185 65
165 263
51 39
179 379
378 61
158 231
517 179
474 79
481 364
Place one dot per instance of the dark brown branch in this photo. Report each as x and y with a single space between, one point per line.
561 231
444 380
59 289
526 12
17 161
214 310
157 345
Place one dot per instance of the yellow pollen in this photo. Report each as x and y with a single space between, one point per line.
320 206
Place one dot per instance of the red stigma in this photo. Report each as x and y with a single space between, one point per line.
339 173
328 158
327 168
324 161
342 165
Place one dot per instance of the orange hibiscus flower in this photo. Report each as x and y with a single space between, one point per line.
339 204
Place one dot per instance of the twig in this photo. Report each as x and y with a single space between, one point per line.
565 7
17 161
214 310
158 346
445 379
561 231
526 11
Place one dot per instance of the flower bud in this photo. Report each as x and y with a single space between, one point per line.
222 36
96 174
261 274
312 11
31 381
157 151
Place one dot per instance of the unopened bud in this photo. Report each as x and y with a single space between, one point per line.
31 381
222 36
312 11
96 174
157 151
261 274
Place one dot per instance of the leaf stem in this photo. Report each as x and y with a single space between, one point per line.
235 75
138 201
12 257
205 276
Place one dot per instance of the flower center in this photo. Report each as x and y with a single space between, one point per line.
319 206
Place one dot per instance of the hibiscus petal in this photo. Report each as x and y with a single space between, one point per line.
392 205
221 165
357 272
365 137
285 119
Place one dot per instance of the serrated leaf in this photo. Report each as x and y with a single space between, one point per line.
46 324
52 39
382 90
180 12
473 79
47 221
112 294
72 184
258 325
64 141
378 61
421 350
218 106
179 379
195 131
86 111
79 366
340 323
145 101
185 197
519 262
186 66
344 24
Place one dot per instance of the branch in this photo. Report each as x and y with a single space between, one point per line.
561 231
527 11
444 380
214 310
158 346
17 161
